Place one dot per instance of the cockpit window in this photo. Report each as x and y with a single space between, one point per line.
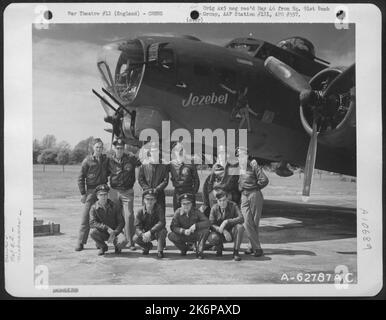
166 57
298 45
127 60
247 48
105 74
246 45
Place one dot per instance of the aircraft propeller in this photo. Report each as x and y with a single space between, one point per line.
308 98
286 74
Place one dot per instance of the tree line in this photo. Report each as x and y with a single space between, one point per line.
48 151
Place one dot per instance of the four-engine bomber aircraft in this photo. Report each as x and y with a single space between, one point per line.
296 101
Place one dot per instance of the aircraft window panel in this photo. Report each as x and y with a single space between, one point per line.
123 68
263 52
129 61
244 47
166 58
153 52
105 73
267 50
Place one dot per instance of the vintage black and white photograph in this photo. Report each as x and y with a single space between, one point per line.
195 154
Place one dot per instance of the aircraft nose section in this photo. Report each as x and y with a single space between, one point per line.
122 65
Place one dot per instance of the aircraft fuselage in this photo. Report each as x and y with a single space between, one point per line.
194 85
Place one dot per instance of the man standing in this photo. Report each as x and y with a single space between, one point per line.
94 172
106 222
184 176
154 175
150 224
252 180
224 177
227 225
122 178
189 225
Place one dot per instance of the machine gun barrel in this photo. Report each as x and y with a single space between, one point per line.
117 102
104 100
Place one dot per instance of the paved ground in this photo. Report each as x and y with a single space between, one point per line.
296 238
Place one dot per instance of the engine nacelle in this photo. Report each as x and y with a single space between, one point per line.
336 117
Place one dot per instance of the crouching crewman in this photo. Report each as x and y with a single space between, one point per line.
227 225
106 222
189 225
150 224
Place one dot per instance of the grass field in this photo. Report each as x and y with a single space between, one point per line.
53 183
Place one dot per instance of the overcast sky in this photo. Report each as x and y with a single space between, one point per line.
64 65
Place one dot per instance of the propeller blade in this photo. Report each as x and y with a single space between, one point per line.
286 74
342 79
310 163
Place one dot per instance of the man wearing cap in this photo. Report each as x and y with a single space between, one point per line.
106 222
226 225
93 172
154 175
252 180
224 176
150 224
122 178
189 225
184 176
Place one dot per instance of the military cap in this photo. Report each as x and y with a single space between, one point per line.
102 188
241 149
97 140
220 194
119 142
186 197
150 193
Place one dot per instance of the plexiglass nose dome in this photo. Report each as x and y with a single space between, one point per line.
122 65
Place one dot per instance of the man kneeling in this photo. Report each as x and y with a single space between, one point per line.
226 223
150 224
106 222
189 225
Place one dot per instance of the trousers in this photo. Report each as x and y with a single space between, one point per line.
160 236
125 199
217 239
251 209
85 219
100 237
181 240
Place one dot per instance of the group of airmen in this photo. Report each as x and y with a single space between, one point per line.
232 202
